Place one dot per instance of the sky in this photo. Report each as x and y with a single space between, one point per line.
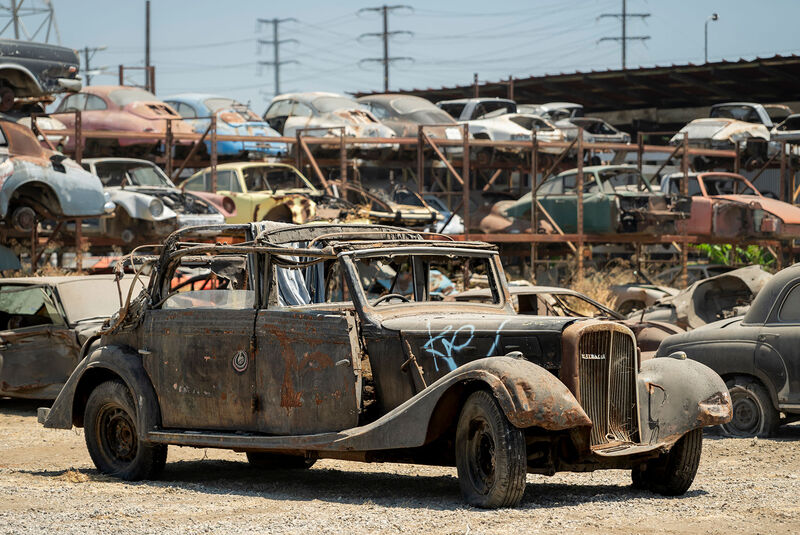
212 46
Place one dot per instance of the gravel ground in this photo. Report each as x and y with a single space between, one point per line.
49 485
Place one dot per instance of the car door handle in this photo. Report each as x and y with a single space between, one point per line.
766 337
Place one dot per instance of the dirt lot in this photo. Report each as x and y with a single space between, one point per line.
48 484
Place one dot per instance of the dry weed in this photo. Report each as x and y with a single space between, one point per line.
73 476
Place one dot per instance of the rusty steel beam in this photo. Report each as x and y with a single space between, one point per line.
782 179
579 188
213 155
168 143
465 184
557 228
561 156
444 159
420 160
763 168
342 158
78 138
492 179
37 132
192 152
685 191
313 162
534 201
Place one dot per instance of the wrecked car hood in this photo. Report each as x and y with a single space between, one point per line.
785 211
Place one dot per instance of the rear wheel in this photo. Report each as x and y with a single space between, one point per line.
490 454
671 474
753 413
277 461
112 436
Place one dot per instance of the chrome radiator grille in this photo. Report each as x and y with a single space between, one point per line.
607 376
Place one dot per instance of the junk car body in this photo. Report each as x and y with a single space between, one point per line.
302 356
722 296
599 130
233 119
37 183
758 355
482 114
119 108
728 205
555 111
787 130
563 302
149 207
30 69
320 114
616 198
404 114
44 321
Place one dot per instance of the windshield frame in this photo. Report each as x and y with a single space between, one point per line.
349 258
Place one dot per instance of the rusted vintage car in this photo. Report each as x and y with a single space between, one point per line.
303 356
37 183
727 205
616 198
404 114
722 296
35 70
758 356
44 321
563 302
119 108
149 207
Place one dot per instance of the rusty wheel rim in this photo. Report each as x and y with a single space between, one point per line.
746 415
117 434
481 456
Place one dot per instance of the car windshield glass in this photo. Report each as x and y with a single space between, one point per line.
488 109
123 97
740 113
573 305
454 109
624 179
27 306
132 174
273 178
726 185
431 116
94 298
328 104
398 279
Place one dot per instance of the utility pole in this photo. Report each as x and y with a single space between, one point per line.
88 54
40 15
15 16
147 45
625 38
276 46
385 35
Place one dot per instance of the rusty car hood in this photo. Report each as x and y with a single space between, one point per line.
785 211
475 322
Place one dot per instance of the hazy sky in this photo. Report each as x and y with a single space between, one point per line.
211 46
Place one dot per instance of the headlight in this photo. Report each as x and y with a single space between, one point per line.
156 207
452 133
106 196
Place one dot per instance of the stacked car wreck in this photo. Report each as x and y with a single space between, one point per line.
299 367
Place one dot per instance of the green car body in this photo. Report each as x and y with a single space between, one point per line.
616 199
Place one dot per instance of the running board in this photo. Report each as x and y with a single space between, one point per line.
216 439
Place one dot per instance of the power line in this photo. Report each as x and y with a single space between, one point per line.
385 35
624 16
276 46
88 54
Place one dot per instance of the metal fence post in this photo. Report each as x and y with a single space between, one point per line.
213 154
579 187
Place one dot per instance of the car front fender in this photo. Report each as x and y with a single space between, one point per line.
105 364
529 396
137 205
677 395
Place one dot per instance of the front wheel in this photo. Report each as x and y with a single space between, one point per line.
671 474
112 436
490 454
753 413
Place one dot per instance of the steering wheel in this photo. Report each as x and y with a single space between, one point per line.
383 298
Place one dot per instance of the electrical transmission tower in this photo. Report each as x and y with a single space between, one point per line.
385 34
40 14
623 17
276 46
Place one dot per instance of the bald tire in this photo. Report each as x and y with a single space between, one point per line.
490 454
672 473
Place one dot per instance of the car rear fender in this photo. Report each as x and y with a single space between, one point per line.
106 363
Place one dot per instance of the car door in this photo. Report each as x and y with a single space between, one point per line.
38 350
309 362
197 349
277 114
778 350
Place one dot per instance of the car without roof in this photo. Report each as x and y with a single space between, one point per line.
305 355
757 355
44 321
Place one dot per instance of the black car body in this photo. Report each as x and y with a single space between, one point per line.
758 355
35 69
326 341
